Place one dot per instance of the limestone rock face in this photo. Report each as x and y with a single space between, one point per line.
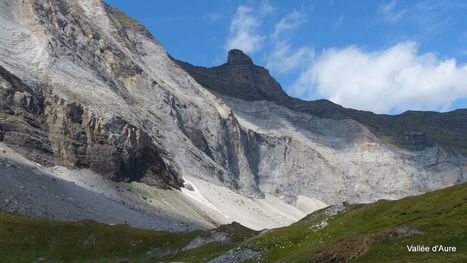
53 129
84 86
22 121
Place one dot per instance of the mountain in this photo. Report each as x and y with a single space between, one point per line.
413 130
93 108
383 147
379 232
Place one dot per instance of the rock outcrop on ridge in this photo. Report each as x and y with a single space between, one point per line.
84 86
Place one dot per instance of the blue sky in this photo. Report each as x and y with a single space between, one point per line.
386 56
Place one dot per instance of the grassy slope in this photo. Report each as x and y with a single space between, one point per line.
24 240
441 216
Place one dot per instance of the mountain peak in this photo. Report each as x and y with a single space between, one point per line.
237 57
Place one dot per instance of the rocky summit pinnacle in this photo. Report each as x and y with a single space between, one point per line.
239 78
237 57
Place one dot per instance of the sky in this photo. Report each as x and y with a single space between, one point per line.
385 56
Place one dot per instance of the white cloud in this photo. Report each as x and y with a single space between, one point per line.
244 35
284 59
391 80
244 31
289 22
389 12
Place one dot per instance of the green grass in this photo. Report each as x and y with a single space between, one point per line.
237 233
441 216
25 240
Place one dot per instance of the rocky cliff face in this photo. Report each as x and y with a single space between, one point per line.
84 86
54 131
